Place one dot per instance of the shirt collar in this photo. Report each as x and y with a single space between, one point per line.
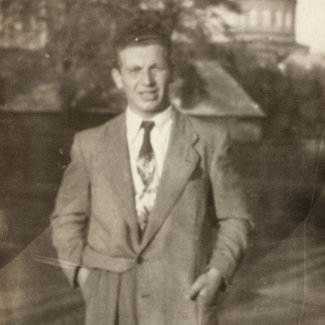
133 121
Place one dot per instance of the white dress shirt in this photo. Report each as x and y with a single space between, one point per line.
159 138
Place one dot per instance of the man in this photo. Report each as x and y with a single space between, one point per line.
149 220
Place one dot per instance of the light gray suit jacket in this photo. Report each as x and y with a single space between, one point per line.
198 221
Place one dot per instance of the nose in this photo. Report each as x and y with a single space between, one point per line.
147 78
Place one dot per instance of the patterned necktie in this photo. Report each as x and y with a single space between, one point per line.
146 167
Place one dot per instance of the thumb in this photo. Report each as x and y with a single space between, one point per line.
197 286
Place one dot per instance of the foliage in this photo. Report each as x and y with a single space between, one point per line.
79 45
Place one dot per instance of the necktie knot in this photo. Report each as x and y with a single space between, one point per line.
147 126
146 148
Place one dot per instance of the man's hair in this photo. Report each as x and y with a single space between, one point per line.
142 31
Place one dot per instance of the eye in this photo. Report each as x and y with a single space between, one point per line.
133 70
158 68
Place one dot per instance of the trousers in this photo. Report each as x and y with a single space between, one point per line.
110 298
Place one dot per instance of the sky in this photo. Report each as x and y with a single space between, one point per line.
310 24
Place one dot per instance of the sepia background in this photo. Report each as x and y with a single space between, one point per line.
259 65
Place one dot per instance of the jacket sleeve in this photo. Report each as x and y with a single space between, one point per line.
70 217
234 223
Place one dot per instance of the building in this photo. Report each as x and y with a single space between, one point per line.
226 100
272 20
268 26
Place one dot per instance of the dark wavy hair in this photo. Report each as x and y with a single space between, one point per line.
142 30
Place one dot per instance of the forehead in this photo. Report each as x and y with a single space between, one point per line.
143 54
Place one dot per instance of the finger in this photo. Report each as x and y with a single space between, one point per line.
206 298
203 293
196 288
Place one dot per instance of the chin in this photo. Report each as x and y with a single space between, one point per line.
152 108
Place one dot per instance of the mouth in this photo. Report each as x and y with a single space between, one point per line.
149 95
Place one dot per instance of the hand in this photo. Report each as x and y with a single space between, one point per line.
82 276
206 287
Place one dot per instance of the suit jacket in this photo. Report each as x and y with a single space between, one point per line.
198 221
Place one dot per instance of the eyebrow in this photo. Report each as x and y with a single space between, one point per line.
137 66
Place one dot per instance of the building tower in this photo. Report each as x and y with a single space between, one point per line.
267 19
268 26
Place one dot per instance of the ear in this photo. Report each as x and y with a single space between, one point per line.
116 75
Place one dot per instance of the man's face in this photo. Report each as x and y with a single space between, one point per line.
144 75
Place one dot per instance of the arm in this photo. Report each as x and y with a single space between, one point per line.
234 224
70 217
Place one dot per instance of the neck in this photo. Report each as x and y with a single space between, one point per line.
149 115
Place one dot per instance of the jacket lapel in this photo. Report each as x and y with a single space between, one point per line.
180 162
115 165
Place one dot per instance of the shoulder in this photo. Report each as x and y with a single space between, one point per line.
209 129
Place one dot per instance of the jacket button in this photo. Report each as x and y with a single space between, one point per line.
145 295
139 259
